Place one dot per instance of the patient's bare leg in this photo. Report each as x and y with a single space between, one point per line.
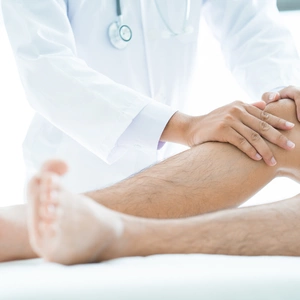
14 243
269 229
272 229
206 178
72 229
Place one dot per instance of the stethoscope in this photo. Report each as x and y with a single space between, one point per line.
120 34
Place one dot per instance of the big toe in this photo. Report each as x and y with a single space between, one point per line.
33 187
55 165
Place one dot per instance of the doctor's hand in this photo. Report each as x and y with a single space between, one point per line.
290 92
245 126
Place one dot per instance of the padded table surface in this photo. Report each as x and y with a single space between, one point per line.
193 276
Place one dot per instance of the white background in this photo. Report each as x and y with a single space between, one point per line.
212 78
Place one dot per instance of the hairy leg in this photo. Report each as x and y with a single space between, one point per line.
272 229
71 229
206 178
203 179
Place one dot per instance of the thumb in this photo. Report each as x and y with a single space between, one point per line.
270 97
261 105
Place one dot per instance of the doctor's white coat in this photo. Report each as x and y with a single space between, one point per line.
103 109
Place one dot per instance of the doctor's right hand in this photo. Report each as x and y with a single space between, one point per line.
245 126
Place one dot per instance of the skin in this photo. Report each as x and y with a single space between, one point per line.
289 92
159 192
57 217
243 125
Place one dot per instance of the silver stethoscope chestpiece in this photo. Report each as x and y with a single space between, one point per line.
119 36
125 33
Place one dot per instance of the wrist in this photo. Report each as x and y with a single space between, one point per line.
176 129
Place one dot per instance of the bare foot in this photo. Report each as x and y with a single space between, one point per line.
66 228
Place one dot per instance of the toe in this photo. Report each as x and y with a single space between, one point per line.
56 166
47 230
32 188
49 186
47 211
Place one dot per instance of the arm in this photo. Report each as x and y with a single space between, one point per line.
91 108
103 116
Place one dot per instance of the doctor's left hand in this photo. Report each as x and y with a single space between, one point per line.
243 125
290 92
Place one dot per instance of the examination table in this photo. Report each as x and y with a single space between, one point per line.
193 276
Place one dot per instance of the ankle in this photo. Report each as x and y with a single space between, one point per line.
126 241
115 247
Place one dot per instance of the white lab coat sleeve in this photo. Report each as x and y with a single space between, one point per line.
86 105
258 49
154 117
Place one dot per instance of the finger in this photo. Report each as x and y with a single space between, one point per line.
272 120
257 142
270 97
239 141
261 104
293 93
268 132
298 108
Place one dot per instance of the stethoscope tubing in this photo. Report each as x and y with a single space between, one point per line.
120 34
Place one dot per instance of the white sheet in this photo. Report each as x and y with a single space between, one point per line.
173 277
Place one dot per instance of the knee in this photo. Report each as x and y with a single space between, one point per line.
284 108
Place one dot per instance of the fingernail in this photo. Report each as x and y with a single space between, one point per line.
290 144
258 156
289 124
273 161
272 96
